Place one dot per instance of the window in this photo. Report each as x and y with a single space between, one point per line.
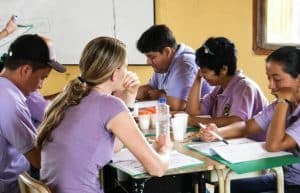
275 23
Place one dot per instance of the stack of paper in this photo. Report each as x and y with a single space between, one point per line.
238 150
125 161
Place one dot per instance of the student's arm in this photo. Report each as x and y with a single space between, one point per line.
219 121
154 162
143 92
176 104
234 130
9 28
193 103
34 157
277 139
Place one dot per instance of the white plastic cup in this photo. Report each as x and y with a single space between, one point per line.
179 127
144 121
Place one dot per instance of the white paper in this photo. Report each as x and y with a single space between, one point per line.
238 150
208 147
125 161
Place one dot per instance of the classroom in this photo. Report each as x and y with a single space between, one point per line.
88 126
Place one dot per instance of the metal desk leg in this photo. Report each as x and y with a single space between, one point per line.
227 181
220 180
280 179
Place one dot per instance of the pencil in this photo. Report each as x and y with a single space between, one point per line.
215 134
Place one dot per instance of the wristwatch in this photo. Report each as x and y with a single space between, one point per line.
283 100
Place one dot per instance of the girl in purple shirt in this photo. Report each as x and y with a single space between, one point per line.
235 96
77 137
281 121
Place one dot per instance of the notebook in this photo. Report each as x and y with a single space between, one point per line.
238 150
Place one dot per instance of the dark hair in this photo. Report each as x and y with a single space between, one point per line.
215 53
155 39
289 58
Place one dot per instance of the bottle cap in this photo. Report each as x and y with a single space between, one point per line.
162 100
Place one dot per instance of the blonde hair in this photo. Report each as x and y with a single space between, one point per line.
100 58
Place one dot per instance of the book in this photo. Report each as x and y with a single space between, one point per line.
127 162
238 150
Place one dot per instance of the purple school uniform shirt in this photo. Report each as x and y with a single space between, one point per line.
81 145
17 135
179 78
242 97
37 105
263 119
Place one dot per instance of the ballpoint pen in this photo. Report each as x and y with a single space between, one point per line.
214 134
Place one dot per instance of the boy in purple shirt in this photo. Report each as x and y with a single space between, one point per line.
174 67
281 120
27 65
235 96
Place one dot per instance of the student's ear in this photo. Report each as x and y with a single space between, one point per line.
168 51
224 70
114 76
25 70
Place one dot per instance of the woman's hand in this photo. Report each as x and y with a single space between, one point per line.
163 144
11 26
291 94
205 133
130 85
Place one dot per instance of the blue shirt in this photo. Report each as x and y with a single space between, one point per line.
179 78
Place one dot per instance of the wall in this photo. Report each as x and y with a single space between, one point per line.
192 22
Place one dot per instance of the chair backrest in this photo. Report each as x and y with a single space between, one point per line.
28 184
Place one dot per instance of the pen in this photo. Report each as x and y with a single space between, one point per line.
214 134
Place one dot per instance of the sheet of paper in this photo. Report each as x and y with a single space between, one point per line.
125 160
207 147
246 152
238 150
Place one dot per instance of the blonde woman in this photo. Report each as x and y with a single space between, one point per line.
78 133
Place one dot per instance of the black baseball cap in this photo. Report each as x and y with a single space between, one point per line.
34 48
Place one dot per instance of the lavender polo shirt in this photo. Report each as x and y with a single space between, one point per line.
37 105
242 97
179 78
17 135
263 119
81 145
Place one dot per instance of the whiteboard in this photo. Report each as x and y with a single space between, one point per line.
71 24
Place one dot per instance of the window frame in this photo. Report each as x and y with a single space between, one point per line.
260 45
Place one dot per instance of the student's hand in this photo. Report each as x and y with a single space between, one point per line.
131 83
11 26
288 93
155 94
205 135
130 87
199 75
163 144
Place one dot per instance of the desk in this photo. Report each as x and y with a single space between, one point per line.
234 170
138 183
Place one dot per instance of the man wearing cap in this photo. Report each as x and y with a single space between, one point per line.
30 60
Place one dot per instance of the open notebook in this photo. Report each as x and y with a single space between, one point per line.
238 150
125 161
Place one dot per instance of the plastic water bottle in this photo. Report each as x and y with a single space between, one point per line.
163 117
